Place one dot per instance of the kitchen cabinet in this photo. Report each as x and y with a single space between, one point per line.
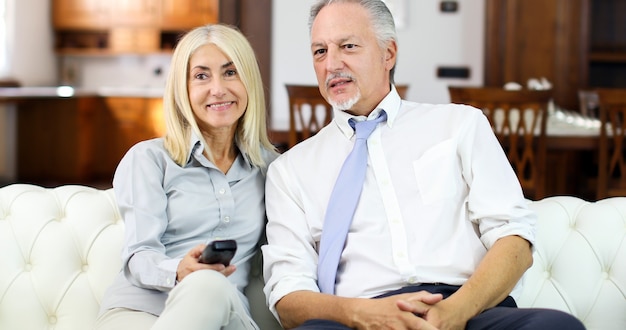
136 13
121 26
123 122
187 14
81 14
54 139
81 139
134 40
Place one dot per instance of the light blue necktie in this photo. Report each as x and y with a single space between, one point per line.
342 204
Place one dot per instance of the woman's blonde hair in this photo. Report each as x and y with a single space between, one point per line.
251 135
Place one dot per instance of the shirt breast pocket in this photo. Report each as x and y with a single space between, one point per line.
436 172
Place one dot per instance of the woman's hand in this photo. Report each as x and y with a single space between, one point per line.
190 264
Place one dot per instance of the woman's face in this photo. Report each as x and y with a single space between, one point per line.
217 95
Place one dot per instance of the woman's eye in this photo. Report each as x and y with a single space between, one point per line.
230 73
201 76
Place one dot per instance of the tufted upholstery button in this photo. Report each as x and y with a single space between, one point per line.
546 274
85 267
52 319
605 275
28 267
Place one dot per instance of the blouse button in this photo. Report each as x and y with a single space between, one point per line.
226 219
222 191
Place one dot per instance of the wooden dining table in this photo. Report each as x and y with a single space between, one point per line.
572 144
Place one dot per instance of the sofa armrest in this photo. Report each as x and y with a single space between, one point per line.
580 260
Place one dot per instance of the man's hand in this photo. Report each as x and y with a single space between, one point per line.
395 312
440 314
190 264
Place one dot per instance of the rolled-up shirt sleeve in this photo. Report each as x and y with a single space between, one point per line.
496 202
290 258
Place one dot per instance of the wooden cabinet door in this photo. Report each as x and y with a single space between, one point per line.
136 13
123 127
124 122
187 14
538 38
134 40
81 14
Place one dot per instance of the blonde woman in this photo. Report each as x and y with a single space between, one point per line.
203 181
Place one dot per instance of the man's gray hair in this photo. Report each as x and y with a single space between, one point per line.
380 17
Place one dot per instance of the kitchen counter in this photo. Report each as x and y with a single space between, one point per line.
67 135
11 93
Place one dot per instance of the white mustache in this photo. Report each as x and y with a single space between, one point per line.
338 75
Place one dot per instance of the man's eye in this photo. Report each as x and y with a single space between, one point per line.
319 52
349 46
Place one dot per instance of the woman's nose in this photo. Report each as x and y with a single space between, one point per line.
217 88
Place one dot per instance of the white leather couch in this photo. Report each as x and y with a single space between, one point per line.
60 248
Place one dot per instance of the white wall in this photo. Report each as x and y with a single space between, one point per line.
32 64
427 40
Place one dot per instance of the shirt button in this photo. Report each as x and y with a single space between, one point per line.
222 191
226 219
412 280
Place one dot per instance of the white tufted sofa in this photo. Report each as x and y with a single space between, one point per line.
60 248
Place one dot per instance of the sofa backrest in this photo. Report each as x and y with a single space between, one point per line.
60 249
580 260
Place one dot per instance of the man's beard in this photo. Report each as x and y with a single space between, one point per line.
347 104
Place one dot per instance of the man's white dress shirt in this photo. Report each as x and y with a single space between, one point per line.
439 191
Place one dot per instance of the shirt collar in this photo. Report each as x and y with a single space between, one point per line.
195 146
391 104
196 149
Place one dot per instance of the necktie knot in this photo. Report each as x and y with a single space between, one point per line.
363 129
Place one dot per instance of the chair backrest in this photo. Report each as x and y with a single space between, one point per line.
612 159
309 111
518 119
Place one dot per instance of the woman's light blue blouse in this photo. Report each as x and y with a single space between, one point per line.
169 209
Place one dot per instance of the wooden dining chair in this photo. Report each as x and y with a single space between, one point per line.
611 152
518 119
309 111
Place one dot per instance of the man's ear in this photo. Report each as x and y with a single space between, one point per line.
391 54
